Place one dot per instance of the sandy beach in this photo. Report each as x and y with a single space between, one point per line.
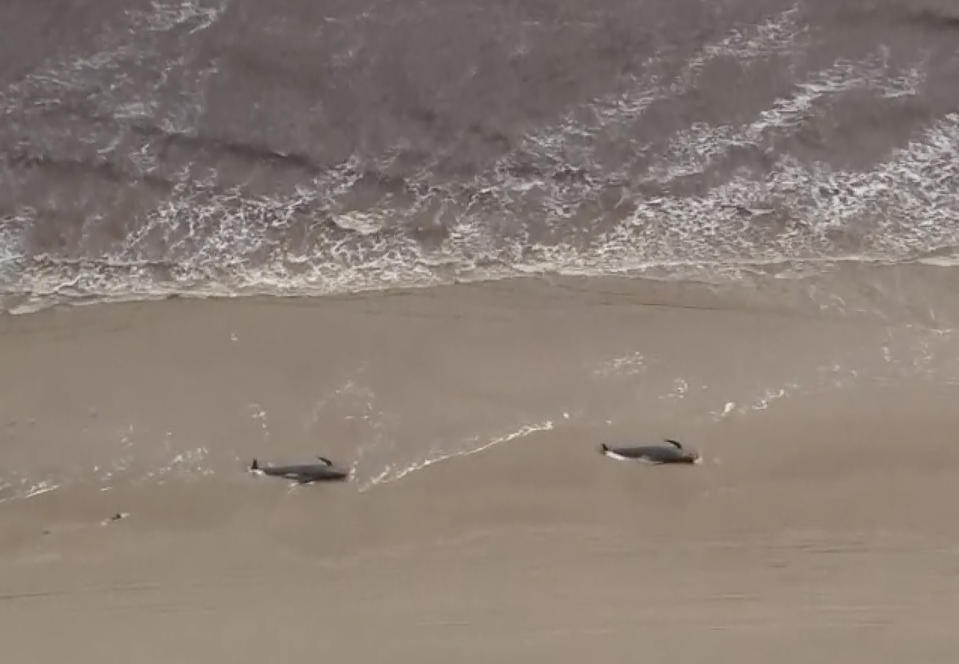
820 525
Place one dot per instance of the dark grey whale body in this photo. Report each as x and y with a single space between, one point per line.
305 473
672 452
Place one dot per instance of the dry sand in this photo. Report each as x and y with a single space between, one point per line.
819 528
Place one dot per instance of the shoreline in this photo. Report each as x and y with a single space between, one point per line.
911 277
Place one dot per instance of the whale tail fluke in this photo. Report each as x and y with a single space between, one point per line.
603 448
255 465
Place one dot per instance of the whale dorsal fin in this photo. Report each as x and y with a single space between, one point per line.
325 460
675 443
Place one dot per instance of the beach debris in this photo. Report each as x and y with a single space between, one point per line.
116 517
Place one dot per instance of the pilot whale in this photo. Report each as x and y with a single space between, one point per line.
304 473
672 452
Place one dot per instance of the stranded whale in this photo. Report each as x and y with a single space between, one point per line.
304 473
672 452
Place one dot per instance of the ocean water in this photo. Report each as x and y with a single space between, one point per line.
228 147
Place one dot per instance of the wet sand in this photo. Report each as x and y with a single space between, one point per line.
820 526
